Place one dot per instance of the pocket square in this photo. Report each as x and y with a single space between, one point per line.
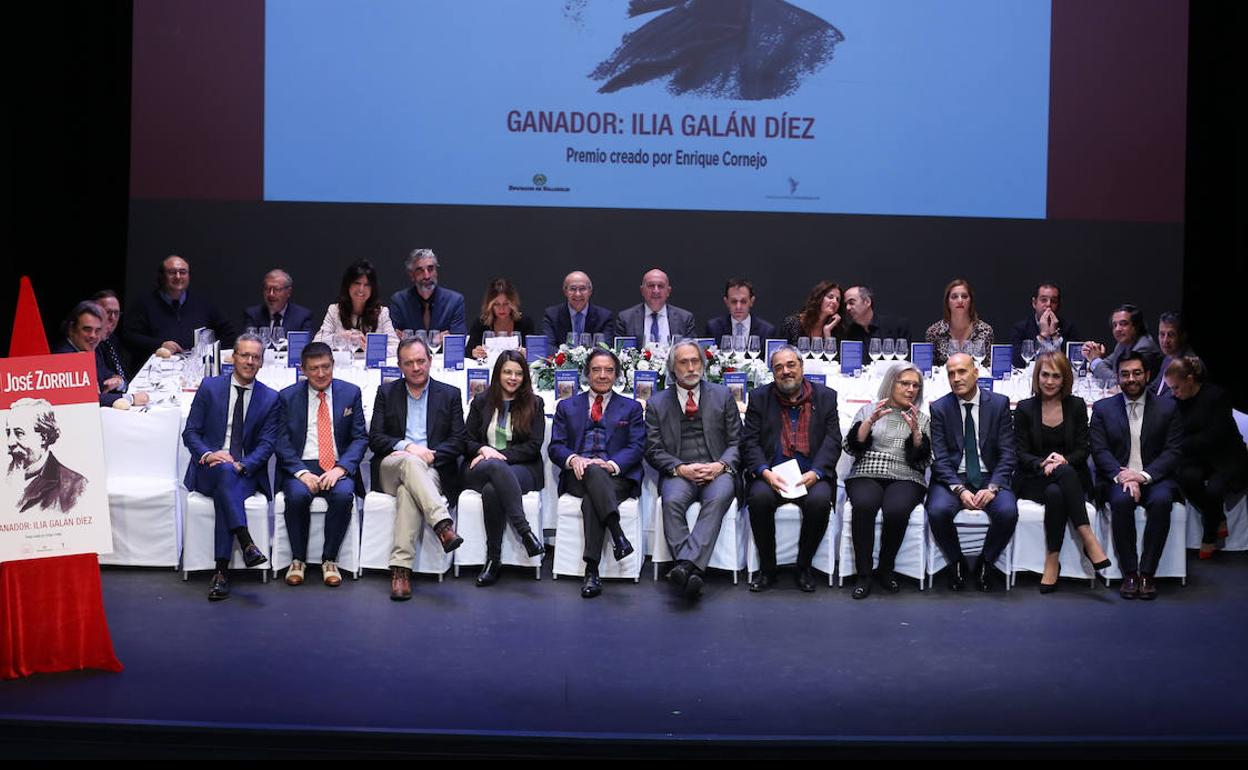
346 412
621 423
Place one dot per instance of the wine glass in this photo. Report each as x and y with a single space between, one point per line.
1028 351
585 340
902 348
725 343
600 340
572 339
754 345
830 349
978 351
875 349
803 346
888 348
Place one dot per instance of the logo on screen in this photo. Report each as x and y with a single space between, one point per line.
539 180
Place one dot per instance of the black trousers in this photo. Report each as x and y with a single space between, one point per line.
816 508
896 498
1156 500
501 486
600 494
1206 489
1062 496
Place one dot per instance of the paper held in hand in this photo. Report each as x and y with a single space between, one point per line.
792 475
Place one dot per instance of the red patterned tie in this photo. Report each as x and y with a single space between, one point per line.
324 434
595 412
691 407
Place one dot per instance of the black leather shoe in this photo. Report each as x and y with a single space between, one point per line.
693 587
489 573
679 574
888 581
1047 588
806 579
253 556
761 581
532 545
593 584
620 547
862 586
1148 587
983 576
219 588
957 575
1130 588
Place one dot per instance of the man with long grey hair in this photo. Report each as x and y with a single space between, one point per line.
426 305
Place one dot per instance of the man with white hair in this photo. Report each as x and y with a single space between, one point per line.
276 310
30 431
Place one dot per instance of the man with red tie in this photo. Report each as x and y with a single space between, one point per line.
319 450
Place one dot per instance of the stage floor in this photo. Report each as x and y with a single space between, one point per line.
529 658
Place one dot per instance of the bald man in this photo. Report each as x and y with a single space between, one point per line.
576 315
168 317
654 320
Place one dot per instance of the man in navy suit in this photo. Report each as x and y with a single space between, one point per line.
597 441
426 305
1136 441
973 465
231 433
277 311
84 331
319 450
1043 325
576 315
740 321
654 320
417 436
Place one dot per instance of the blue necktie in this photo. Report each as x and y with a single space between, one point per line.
654 327
578 324
974 476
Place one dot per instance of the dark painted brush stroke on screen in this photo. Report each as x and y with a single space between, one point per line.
730 49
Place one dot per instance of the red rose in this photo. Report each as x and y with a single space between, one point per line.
559 359
645 354
709 355
729 369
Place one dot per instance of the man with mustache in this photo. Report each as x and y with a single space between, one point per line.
30 430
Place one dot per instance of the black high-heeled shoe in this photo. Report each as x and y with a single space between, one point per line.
1048 588
1097 565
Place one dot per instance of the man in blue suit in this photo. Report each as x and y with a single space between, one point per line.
576 315
277 310
231 432
319 450
973 465
1137 439
426 305
740 320
597 441
83 334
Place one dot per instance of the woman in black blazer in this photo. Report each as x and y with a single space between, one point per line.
506 425
500 313
1051 435
1215 460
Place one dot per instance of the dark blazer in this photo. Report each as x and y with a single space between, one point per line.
151 321
447 313
721 425
720 327
444 429
882 326
350 434
1210 435
760 437
526 453
1029 329
524 326
103 371
557 323
625 428
55 487
1028 424
297 318
1107 370
632 322
1161 439
205 429
996 439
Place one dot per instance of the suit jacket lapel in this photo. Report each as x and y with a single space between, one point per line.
300 408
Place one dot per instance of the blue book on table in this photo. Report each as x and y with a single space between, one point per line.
535 347
453 351
818 379
567 383
390 374
625 342
851 356
478 381
922 355
1002 361
375 349
295 343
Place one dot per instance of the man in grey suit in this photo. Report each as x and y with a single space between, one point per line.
692 431
653 320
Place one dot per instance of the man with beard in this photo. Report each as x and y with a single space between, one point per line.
426 305
790 419
30 430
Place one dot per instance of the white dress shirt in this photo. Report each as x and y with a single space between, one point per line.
664 330
229 410
311 441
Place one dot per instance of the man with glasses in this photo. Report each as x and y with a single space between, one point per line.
168 317
576 316
276 311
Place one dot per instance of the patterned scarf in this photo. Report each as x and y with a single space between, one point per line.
796 438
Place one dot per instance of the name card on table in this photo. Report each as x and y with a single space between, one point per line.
818 379
567 383
390 374
737 383
985 383
298 373
227 368
644 383
375 350
625 342
453 351
478 381
536 346
922 355
851 356
1002 361
705 342
1074 352
295 343
770 348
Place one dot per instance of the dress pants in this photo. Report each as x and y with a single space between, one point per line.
502 487
229 491
697 545
943 505
1207 490
418 493
896 498
816 508
1156 500
600 494
299 513
1061 494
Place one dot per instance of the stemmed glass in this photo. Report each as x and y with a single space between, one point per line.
754 345
816 347
830 351
902 349
1028 351
888 348
803 346
875 350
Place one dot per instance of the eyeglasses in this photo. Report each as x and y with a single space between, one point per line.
248 356
182 271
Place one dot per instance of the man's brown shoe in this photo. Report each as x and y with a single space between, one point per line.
400 584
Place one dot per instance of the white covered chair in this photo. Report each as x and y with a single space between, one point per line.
911 557
471 527
972 527
1173 556
570 542
788 530
348 552
199 528
377 539
141 458
1236 526
730 547
1030 547
647 505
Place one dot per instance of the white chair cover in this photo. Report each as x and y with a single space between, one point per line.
788 530
377 539
730 547
199 527
570 542
140 454
911 557
1173 556
471 527
348 552
1030 547
971 526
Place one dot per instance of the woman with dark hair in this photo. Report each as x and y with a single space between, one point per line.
506 426
820 315
961 327
1215 460
500 313
1051 437
1172 339
358 309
